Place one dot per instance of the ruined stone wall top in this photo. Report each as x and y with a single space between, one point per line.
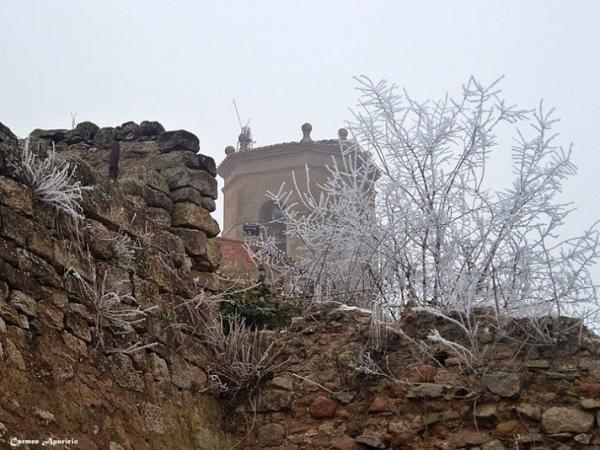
163 168
147 238
342 389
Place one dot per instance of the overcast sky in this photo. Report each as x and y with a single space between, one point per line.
288 62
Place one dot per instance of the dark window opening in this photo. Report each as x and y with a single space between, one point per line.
271 217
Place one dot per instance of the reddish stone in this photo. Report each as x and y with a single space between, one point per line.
510 428
379 405
589 387
424 373
401 440
323 407
344 414
441 430
345 443
335 329
298 427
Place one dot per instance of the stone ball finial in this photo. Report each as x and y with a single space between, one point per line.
306 129
343 134
229 150
244 140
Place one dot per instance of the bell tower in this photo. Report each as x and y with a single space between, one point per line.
249 173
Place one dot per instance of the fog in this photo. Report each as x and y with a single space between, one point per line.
285 63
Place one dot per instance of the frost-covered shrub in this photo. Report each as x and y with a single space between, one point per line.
429 228
52 181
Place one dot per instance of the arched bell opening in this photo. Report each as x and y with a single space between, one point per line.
271 218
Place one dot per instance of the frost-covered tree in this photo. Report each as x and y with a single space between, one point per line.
426 225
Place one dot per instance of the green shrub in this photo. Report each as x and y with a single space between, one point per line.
260 306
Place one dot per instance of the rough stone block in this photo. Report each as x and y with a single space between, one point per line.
185 375
7 136
125 374
77 325
323 407
135 153
111 207
211 260
150 129
100 240
52 316
151 196
23 303
194 241
189 194
285 382
189 215
14 356
17 278
206 280
82 310
566 420
104 137
178 140
13 317
586 403
145 176
56 297
533 412
16 196
129 131
4 290
171 249
185 159
153 267
271 434
160 216
208 164
156 419
180 177
468 438
186 194
370 441
426 390
41 242
10 156
70 257
503 384
39 270
74 344
87 130
208 203
344 443
159 368
15 226
275 400
208 437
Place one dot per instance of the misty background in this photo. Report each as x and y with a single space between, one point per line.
285 63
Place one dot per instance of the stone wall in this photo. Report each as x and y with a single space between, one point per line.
547 397
236 268
162 168
146 236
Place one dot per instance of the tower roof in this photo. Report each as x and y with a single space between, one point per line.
323 146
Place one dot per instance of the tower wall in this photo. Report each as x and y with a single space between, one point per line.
250 175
